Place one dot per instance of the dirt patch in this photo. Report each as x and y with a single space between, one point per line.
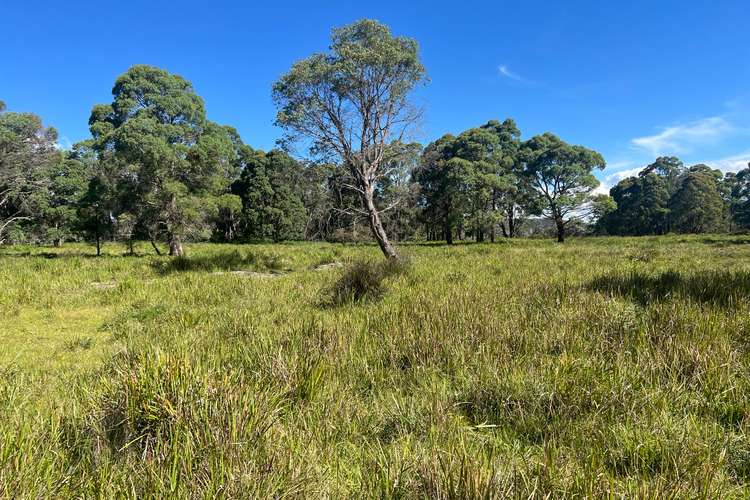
332 265
104 285
250 274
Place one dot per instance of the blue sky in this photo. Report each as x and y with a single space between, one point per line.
632 80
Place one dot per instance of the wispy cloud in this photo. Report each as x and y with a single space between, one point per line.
613 177
505 72
684 138
616 177
710 140
732 163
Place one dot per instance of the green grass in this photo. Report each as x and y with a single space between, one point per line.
601 367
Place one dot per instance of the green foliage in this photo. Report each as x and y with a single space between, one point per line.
697 205
66 186
642 206
367 68
27 152
397 192
472 181
172 162
441 188
740 198
561 176
352 104
270 191
667 168
667 197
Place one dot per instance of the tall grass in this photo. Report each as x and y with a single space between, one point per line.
602 367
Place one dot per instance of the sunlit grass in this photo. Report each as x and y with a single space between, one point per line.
597 367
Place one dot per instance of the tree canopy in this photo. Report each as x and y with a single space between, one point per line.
270 189
561 177
27 152
172 161
352 103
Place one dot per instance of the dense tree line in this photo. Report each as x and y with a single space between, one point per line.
668 197
156 169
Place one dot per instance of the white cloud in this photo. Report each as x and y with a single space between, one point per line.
615 177
732 163
506 73
683 138
601 189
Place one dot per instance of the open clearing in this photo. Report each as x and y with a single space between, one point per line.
601 366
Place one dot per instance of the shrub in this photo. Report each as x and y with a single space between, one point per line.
363 281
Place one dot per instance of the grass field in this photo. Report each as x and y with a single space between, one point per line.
601 367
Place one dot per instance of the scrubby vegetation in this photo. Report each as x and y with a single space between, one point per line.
607 366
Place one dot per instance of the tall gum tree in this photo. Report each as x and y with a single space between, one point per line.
352 103
561 176
177 163
27 150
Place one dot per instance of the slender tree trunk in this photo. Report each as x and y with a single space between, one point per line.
175 246
560 229
98 245
153 244
511 222
376 225
447 232
505 231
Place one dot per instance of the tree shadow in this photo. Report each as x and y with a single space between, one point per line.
722 288
55 255
725 242
225 261
455 244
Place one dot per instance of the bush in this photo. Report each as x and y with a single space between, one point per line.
363 281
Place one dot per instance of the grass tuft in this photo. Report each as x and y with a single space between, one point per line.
364 281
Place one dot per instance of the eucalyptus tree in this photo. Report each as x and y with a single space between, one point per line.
697 206
472 181
642 205
561 177
28 150
352 103
396 192
669 169
66 184
442 185
95 211
174 163
475 156
501 175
